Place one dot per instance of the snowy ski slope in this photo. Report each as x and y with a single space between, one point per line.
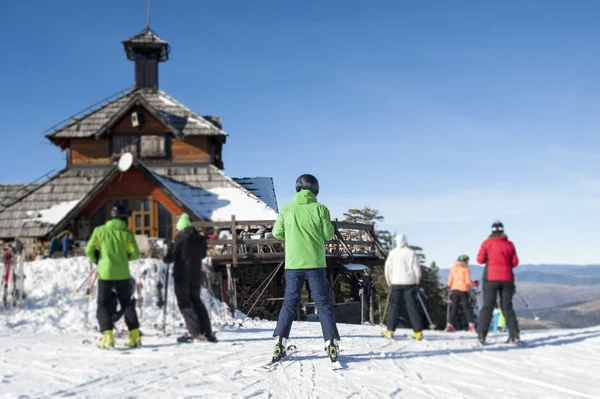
41 356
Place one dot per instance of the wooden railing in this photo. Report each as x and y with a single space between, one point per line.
350 240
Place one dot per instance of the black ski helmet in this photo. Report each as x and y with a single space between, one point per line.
120 212
463 258
308 182
497 227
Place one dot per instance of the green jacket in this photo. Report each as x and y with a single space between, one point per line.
117 247
305 225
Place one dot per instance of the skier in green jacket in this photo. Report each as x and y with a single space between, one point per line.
112 246
305 225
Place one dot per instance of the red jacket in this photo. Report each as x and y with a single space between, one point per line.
501 257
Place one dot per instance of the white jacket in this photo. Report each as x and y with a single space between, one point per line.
402 264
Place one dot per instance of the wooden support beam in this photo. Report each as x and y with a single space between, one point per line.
234 241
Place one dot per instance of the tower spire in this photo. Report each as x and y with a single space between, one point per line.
146 50
148 17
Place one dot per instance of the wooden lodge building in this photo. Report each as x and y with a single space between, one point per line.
178 167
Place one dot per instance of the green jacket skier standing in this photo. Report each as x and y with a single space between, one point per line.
305 225
112 246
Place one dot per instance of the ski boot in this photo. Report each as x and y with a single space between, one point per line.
185 338
471 327
133 340
279 350
211 338
481 339
107 341
389 335
418 336
332 349
513 339
450 328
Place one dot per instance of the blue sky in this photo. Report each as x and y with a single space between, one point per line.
442 115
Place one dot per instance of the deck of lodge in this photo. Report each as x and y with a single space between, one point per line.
352 242
251 276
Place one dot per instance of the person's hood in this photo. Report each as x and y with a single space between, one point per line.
117 224
401 241
183 222
305 197
459 264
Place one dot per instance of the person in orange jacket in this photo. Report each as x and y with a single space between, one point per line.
459 282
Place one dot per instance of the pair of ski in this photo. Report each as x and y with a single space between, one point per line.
291 351
507 342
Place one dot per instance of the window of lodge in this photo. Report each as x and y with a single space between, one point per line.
148 216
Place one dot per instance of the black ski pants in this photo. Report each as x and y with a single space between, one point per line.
106 305
192 309
506 290
408 295
460 297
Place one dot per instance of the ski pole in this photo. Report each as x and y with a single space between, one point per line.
431 325
362 312
166 305
261 293
528 307
86 324
448 310
84 281
387 302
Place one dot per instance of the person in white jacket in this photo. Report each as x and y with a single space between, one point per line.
403 274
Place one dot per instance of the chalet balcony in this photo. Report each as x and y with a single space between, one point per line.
251 242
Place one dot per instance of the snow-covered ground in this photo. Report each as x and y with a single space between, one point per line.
42 356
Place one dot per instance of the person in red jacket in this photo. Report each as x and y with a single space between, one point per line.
500 257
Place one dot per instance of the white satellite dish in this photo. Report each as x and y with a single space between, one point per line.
125 162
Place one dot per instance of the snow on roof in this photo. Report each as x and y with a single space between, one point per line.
166 100
54 214
262 187
218 204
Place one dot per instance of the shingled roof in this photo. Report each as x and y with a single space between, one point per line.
202 189
146 38
35 214
262 187
208 177
212 195
11 193
187 122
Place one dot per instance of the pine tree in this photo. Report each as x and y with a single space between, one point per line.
435 292
366 215
369 215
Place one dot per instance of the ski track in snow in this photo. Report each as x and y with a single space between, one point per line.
42 356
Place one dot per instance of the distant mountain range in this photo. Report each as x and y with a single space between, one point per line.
564 296
549 274
579 315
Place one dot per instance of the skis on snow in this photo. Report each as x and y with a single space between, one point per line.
291 350
280 355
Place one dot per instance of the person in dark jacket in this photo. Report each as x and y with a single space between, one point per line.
186 254
500 257
366 285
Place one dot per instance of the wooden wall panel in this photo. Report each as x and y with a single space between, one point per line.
89 151
192 149
130 184
151 124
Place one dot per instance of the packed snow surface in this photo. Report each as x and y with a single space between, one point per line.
42 356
